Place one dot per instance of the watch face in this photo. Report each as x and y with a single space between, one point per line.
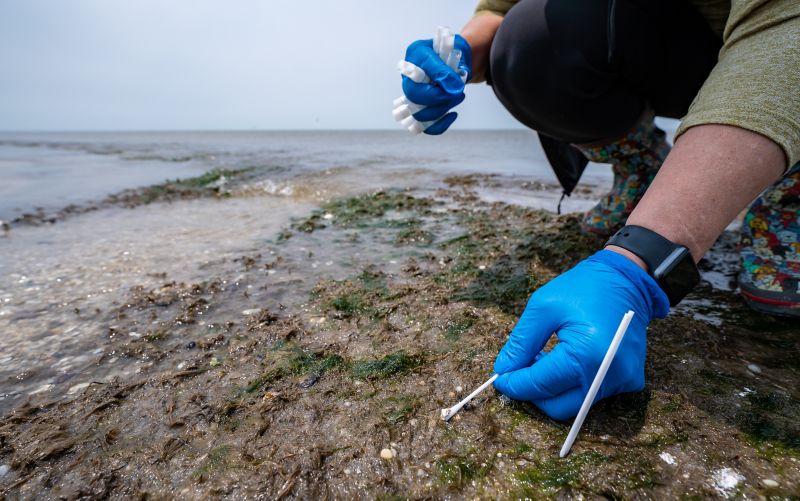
678 275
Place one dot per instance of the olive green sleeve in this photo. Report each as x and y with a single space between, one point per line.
756 82
499 7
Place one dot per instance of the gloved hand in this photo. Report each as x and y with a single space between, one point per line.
446 89
584 306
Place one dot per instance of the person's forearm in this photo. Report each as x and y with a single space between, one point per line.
712 173
479 33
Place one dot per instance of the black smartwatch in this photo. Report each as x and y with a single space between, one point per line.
670 264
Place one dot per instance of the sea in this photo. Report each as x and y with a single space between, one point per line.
53 170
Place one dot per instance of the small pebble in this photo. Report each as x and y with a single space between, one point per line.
459 389
134 335
328 216
451 394
667 458
413 422
754 369
215 362
387 453
347 471
768 482
252 311
4 469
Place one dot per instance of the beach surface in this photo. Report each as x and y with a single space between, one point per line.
287 316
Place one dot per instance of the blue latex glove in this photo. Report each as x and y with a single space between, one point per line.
584 306
446 89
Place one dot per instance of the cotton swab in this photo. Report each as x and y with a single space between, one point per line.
449 413
598 380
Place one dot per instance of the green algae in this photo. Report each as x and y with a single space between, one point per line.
458 327
550 475
290 360
399 408
363 210
455 472
414 236
355 298
393 364
217 460
202 185
349 304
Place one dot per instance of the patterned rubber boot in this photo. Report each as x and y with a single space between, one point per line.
770 249
635 160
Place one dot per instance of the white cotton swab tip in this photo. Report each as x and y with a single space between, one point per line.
446 414
598 380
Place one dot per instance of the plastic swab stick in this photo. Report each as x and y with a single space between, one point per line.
448 43
437 39
413 72
449 413
598 380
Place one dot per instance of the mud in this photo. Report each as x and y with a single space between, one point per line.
298 397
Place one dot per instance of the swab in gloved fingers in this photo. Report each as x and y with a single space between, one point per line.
444 46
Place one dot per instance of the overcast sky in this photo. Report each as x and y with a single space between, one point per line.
216 64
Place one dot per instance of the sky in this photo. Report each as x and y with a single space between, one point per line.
217 64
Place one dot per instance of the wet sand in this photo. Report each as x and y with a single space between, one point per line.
238 341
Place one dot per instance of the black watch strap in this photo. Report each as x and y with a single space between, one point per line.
670 264
651 247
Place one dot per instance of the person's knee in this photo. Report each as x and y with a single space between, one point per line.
520 45
549 67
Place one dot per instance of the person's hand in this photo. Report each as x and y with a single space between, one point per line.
446 88
584 306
